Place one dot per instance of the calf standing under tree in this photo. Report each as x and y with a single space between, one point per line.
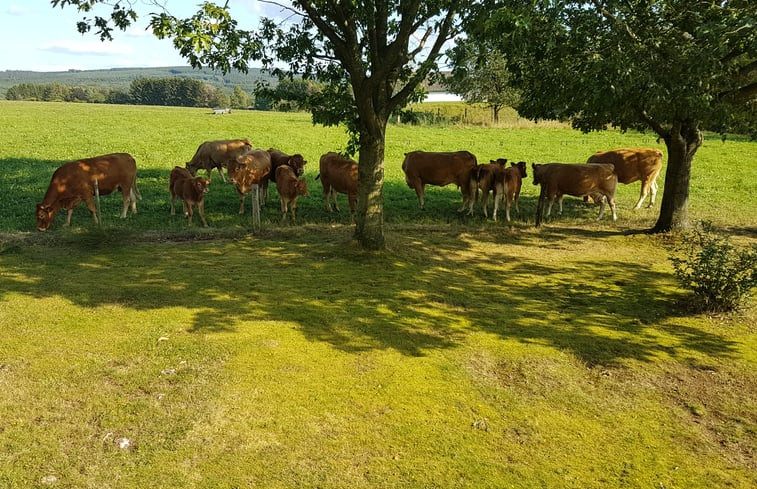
338 175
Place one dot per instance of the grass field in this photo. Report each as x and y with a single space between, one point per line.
470 353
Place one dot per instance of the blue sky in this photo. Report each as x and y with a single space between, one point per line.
35 36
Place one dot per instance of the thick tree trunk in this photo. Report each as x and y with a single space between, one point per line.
683 141
370 198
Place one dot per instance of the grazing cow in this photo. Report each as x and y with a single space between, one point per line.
424 168
558 179
191 190
248 173
486 176
338 175
507 187
289 189
78 181
217 154
633 164
278 158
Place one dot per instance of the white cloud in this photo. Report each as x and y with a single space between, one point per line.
17 10
87 48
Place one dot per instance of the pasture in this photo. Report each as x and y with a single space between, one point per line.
468 354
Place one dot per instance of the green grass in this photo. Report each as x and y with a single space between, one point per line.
468 354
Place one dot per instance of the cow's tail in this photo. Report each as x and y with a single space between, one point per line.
318 176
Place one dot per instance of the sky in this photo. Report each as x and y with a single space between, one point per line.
35 36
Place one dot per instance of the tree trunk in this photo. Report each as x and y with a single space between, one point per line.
370 198
495 110
682 142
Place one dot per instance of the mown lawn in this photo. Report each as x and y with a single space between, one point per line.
468 354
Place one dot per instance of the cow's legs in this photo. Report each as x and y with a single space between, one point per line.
189 212
92 209
334 196
242 196
419 191
201 211
284 211
653 192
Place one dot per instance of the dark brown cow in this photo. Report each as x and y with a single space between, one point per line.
426 168
77 181
558 179
632 164
338 175
217 154
289 189
278 158
507 187
191 190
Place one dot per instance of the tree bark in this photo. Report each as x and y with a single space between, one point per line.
369 230
682 142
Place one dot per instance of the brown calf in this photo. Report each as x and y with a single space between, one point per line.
633 164
191 190
425 168
558 179
507 187
486 177
249 170
289 189
338 175
78 181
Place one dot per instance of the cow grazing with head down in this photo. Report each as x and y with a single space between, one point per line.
427 168
289 189
80 180
217 154
558 179
632 164
191 190
338 175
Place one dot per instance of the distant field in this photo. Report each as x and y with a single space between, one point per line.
468 354
38 137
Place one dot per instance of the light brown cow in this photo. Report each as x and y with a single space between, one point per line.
507 187
486 176
558 179
426 168
191 190
338 175
249 173
217 154
633 164
249 169
78 181
289 189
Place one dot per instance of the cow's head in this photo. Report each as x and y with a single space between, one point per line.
499 161
45 216
201 184
191 167
521 165
297 163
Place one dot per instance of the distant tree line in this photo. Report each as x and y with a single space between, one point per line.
288 95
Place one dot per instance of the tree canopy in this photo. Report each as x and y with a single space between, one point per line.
677 67
371 56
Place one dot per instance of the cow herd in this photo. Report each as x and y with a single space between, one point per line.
250 171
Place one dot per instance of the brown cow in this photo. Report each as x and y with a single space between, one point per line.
278 158
78 181
191 190
507 187
248 174
338 175
425 168
486 176
289 189
633 164
558 179
217 154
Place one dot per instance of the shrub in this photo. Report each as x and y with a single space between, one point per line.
720 274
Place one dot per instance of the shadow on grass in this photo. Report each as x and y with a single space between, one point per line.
429 291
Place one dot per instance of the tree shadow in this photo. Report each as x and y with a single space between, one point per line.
428 292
